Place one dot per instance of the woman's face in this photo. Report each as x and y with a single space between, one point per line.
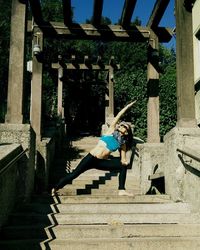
122 129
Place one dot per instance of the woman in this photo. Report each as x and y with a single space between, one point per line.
118 137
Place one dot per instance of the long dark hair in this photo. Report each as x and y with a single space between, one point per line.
129 137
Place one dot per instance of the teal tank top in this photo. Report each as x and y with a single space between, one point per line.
112 143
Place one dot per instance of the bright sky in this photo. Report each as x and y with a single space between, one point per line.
112 9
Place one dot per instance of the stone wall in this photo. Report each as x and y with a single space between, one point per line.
182 173
22 134
11 178
148 160
45 158
47 149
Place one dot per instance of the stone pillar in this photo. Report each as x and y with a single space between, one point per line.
185 67
110 97
36 86
153 118
60 109
16 63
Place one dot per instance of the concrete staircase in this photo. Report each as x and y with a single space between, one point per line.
90 215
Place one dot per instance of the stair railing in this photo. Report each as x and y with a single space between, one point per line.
12 162
190 153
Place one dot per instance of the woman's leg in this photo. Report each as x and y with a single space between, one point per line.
113 165
86 163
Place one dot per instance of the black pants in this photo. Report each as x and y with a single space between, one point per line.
89 162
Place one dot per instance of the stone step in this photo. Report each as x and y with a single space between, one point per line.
102 182
103 176
100 231
128 218
137 243
166 208
97 186
124 208
85 141
85 191
96 173
87 199
150 243
101 218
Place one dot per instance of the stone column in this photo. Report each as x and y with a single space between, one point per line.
184 65
60 109
153 118
110 97
16 64
36 86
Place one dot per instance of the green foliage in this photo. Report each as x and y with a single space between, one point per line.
52 10
168 106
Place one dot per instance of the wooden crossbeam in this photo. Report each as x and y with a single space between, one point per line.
89 31
97 12
67 12
36 11
82 66
164 34
157 13
103 32
127 12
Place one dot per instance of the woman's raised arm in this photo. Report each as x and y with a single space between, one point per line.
119 115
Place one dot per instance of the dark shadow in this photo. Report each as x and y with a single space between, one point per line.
40 174
30 219
96 183
6 143
157 184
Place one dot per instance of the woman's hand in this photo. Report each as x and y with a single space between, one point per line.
124 163
130 104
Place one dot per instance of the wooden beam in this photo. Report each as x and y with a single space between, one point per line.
127 12
67 12
103 32
157 13
89 31
36 11
82 66
164 34
97 12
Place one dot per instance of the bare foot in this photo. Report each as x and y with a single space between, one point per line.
54 191
124 193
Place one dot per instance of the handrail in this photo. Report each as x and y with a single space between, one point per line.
3 170
189 154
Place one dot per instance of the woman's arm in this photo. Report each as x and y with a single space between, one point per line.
119 115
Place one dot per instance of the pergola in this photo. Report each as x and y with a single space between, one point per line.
151 33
